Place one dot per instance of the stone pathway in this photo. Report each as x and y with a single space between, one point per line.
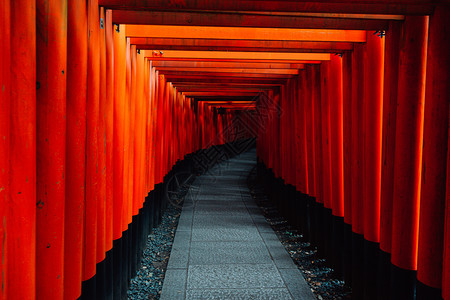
224 248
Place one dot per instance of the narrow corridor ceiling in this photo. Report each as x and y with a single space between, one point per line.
232 50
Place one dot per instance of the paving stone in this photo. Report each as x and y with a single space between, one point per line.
209 253
225 234
174 287
237 276
279 254
240 294
297 286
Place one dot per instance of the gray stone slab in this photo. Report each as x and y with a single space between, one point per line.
221 209
225 220
239 294
225 234
235 276
185 222
296 284
179 258
174 287
209 253
182 239
262 225
280 256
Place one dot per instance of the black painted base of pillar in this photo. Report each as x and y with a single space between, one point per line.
403 283
89 289
426 292
327 233
371 254
337 242
357 266
384 276
347 254
320 228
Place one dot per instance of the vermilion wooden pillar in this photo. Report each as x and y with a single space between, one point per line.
335 98
5 93
118 132
101 138
310 132
433 191
21 237
336 140
303 150
138 194
408 154
317 133
357 168
326 145
109 123
51 74
347 134
126 141
347 140
389 120
373 108
388 152
372 125
75 147
92 122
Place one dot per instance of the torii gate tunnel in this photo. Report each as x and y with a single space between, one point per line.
102 100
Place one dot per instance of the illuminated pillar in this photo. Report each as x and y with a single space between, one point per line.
51 72
433 191
373 117
408 154
5 93
75 147
388 152
357 169
92 120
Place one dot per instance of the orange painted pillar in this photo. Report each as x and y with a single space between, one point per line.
316 101
373 124
92 123
433 191
101 138
135 133
109 123
138 193
408 153
336 104
335 98
326 144
310 132
373 117
75 147
126 143
5 93
118 131
302 149
51 72
357 139
21 238
389 120
391 62
347 135
357 202
347 140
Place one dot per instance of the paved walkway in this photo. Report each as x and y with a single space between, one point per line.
224 248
